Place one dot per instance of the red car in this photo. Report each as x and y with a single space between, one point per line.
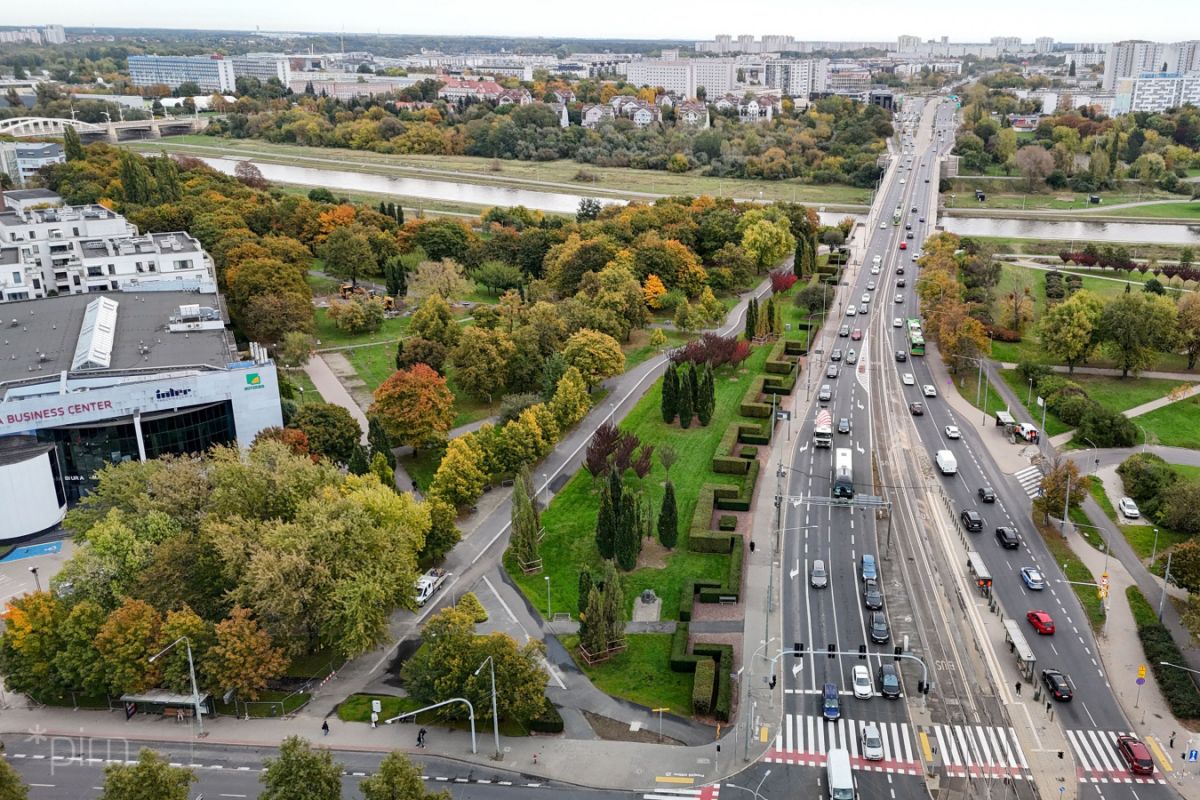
1136 755
904 245
857 334
1041 622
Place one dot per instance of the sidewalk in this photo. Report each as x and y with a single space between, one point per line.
1189 377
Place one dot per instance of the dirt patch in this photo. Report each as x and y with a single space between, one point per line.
612 730
653 555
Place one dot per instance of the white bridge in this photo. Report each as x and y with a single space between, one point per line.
28 127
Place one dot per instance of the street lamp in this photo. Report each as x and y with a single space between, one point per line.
1154 549
191 673
753 791
1143 430
36 580
548 615
495 717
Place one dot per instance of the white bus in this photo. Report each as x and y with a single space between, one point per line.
843 474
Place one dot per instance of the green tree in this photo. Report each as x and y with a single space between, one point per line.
11 787
435 321
301 773
166 179
125 642
178 623
1136 327
1069 329
241 658
593 634
684 406
614 605
596 355
670 395
78 663
628 539
526 521
443 533
395 276
1185 565
72 146
31 643
478 359
608 517
1189 326
707 397
398 779
497 276
417 350
151 778
380 442
752 317
135 178
668 518
295 349
347 253
767 242
584 589
331 431
358 464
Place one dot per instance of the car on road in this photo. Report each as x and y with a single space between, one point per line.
852 357
875 270
901 355
907 379
1041 622
866 300
908 227
1008 538
1057 685
861 680
818 577
1033 578
971 520
1128 508
878 626
916 409
904 245
851 310
914 208
871 743
928 390
902 181
870 286
831 371
1136 755
899 298
844 331
922 219
927 180
856 334
901 283
986 495
908 235
867 567
952 432
836 355
872 597
889 680
897 322
900 268
843 425
883 225
826 393
831 703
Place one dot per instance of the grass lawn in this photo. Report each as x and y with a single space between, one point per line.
968 386
1170 210
1074 570
1052 247
422 466
1096 488
376 363
1186 471
267 705
640 673
570 545
315 665
329 336
357 708
299 378
1174 425
1141 539
639 349
1053 425
1064 200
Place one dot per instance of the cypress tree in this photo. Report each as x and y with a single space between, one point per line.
358 464
614 606
585 589
770 315
668 518
593 633
383 208
706 402
694 382
751 318
686 409
777 319
399 214
670 394
525 521
605 524
72 145
380 442
628 536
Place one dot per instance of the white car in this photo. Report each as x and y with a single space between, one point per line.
952 432
863 689
883 225
1128 508
928 390
866 299
902 180
875 270
899 298
871 743
851 310
870 286
916 256
907 379
897 323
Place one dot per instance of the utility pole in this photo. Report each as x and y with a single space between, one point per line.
1066 506
1162 598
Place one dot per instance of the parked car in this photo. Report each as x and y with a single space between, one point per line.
872 597
1128 508
1007 537
971 520
1136 755
1041 622
861 680
889 680
986 495
1033 578
1057 684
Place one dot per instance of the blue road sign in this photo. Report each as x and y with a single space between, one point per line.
1193 755
1140 681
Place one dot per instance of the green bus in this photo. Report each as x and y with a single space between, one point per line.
916 340
896 215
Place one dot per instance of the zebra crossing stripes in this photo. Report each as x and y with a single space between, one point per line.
1030 479
804 740
1100 762
709 792
974 751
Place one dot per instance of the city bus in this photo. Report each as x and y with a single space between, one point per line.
843 474
896 215
916 339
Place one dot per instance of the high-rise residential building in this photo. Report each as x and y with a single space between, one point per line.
30 35
1153 92
1043 44
263 67
1007 44
210 73
908 44
797 77
54 34
746 43
683 77
716 75
1129 59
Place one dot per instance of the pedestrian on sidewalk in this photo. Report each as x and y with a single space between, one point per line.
421 738
325 727
1172 744
1018 688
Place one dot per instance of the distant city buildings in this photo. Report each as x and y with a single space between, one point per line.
211 73
1132 58
21 160
50 34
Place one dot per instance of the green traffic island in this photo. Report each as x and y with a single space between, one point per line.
1177 686
359 707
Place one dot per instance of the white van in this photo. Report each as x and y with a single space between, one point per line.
838 775
946 462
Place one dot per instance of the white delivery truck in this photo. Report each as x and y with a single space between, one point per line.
838 774
823 429
429 583
946 462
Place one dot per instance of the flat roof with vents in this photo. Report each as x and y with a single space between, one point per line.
94 348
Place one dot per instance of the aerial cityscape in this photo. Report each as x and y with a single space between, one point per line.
504 405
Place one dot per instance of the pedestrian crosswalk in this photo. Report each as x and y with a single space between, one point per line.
805 739
979 751
1030 479
1097 759
709 792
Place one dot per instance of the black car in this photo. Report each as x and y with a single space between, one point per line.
843 425
971 520
901 355
1057 685
880 634
901 283
908 227
872 597
908 235
899 270
836 355
916 409
1007 537
986 495
889 680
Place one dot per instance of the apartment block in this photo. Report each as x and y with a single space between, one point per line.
22 160
263 67
797 77
210 73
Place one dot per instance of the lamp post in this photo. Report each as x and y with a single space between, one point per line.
1029 394
1143 430
495 716
1154 549
36 580
191 674
1162 598
548 614
753 791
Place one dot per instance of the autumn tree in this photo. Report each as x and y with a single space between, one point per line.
414 406
1055 494
398 779
960 336
270 318
332 432
767 242
1018 306
241 658
653 292
357 315
125 642
477 360
435 321
596 355
1136 327
418 350
149 778
1189 326
445 277
301 772
460 478
347 253
1035 164
31 643
570 402
1069 330
176 671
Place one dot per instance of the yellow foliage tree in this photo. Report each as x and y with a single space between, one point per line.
459 479
653 290
571 402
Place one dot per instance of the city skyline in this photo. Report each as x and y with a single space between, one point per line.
874 20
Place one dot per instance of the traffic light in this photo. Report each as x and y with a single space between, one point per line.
896 653
862 652
926 689
920 687
797 649
833 651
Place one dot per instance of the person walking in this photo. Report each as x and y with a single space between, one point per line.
1018 688
325 728
421 738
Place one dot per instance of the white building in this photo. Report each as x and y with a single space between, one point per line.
676 76
30 35
908 44
90 249
1130 59
716 75
263 67
54 34
1043 45
593 115
797 77
1153 92
1007 44
91 380
22 160
210 73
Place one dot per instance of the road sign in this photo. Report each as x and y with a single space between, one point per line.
1140 681
1142 671
1193 755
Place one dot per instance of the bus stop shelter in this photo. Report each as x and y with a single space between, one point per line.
979 573
160 702
1015 637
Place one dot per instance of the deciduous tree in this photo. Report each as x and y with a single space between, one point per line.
1035 164
478 359
1069 329
347 253
398 779
1136 327
301 772
570 402
653 292
1189 326
596 355
331 431
242 658
460 478
434 321
414 406
767 242
418 350
445 278
125 642
150 778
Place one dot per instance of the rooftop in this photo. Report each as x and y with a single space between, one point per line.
43 341
13 217
30 195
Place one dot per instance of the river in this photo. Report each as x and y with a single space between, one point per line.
566 203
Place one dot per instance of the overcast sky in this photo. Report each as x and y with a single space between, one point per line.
870 20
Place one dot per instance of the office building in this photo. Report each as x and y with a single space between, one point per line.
210 73
848 79
22 160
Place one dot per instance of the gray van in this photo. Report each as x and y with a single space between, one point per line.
839 777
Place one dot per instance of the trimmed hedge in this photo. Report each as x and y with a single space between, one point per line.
687 598
779 360
727 522
1177 686
733 577
752 404
702 687
551 721
727 459
681 660
738 500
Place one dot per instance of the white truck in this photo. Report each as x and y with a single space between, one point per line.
946 462
823 429
429 583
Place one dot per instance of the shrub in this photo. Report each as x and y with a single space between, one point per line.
1072 408
1049 384
1029 371
549 721
1107 428
702 687
727 522
470 604
1005 335
1145 476
512 405
1177 686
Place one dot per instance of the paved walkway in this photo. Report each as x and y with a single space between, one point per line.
1145 408
1027 262
1190 377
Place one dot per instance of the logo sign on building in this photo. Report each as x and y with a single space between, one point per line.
253 381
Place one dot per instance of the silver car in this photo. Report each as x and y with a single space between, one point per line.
818 578
871 743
